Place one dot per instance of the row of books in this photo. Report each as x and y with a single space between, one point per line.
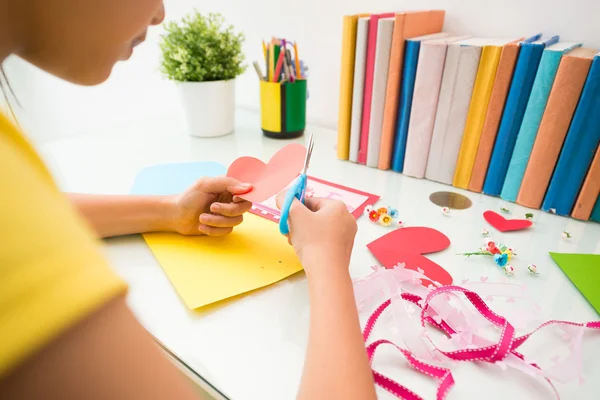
515 117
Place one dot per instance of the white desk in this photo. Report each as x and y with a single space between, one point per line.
253 348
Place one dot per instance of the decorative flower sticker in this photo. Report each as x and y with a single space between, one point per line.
501 259
392 212
368 209
374 216
491 247
445 211
500 253
533 269
382 210
485 232
400 224
385 220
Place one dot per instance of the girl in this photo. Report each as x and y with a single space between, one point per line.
65 330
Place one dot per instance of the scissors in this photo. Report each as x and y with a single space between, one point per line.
297 190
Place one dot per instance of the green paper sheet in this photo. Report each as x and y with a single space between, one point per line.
584 271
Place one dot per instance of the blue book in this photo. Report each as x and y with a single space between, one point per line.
514 109
532 118
409 72
596 211
579 147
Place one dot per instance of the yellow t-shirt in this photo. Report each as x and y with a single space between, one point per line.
52 272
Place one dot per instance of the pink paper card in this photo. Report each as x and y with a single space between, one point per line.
355 200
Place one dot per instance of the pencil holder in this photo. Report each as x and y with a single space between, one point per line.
283 109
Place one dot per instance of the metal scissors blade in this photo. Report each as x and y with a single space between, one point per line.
309 150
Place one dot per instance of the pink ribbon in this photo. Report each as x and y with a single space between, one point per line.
442 374
505 348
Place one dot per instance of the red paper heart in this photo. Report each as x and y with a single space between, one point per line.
407 245
505 225
271 178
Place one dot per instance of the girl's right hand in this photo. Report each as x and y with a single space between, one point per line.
321 229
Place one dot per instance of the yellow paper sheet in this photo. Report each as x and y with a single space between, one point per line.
205 270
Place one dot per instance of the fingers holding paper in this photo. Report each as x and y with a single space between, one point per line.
211 207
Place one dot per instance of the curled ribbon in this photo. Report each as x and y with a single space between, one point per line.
504 350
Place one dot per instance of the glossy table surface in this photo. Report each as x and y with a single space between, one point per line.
253 347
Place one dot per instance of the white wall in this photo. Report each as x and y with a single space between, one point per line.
136 90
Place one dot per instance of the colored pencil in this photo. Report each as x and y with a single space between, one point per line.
277 76
271 62
298 73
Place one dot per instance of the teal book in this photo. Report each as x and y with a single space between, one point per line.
596 211
533 116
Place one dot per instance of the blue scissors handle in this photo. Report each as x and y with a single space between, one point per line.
297 190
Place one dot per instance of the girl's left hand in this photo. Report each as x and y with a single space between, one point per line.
210 207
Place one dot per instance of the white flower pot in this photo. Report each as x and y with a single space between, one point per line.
209 107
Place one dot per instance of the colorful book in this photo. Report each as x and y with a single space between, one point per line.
516 102
411 57
346 79
540 92
462 60
482 92
568 84
428 80
504 74
385 29
407 25
358 86
368 89
589 191
579 147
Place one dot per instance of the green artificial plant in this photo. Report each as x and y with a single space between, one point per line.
200 49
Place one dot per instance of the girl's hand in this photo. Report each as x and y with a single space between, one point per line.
323 228
210 207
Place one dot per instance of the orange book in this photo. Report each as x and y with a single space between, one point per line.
406 25
506 67
589 191
568 84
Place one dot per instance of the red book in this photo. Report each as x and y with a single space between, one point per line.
368 92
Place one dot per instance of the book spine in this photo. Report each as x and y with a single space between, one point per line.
368 90
360 60
506 66
346 80
382 62
411 57
531 123
589 191
425 99
484 83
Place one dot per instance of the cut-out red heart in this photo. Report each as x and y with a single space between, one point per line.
268 179
505 225
407 245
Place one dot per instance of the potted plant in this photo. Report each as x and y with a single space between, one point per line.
204 57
